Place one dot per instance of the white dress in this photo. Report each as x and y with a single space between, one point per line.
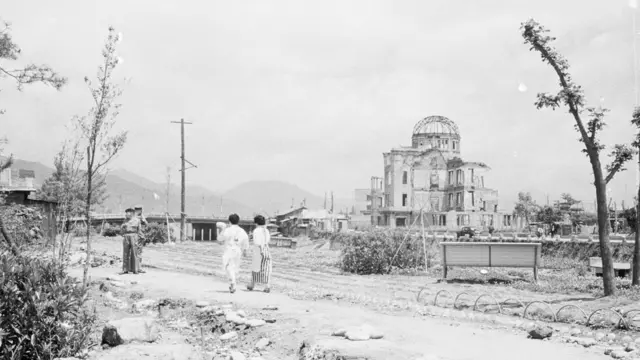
235 240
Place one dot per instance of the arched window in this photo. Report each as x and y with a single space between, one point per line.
404 177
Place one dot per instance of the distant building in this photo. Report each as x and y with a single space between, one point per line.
18 187
430 176
299 221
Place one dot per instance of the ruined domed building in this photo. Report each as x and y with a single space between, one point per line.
430 175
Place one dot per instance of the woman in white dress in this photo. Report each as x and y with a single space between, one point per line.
261 257
236 242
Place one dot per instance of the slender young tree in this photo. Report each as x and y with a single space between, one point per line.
572 96
96 129
30 74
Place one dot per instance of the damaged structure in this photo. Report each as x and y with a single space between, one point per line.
430 177
300 221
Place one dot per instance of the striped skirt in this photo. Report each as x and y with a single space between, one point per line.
261 266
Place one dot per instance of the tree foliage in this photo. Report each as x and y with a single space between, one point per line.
549 215
571 96
29 74
96 127
525 206
67 185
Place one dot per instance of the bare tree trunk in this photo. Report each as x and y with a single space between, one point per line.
603 227
8 238
635 274
85 275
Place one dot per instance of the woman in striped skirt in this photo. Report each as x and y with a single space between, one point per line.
261 259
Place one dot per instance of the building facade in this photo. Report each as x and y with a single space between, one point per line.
430 177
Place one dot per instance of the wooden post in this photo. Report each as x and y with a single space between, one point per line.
166 215
424 243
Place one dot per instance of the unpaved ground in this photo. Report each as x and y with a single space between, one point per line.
309 273
406 337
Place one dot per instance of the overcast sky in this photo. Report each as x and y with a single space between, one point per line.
313 92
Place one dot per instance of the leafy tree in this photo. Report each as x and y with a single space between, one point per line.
572 96
68 187
29 74
567 198
525 206
549 215
630 216
96 128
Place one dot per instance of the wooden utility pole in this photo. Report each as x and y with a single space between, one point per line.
183 215
168 191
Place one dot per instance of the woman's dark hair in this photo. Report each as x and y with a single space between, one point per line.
129 210
259 220
234 219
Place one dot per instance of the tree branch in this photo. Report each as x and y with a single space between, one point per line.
620 154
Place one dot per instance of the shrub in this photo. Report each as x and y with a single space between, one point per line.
378 251
111 231
155 233
43 314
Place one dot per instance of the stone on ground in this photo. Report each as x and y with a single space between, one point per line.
124 331
202 304
235 318
262 343
357 335
339 332
255 322
236 355
619 354
229 336
541 332
586 342
147 351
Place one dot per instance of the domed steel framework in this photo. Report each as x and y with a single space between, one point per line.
436 125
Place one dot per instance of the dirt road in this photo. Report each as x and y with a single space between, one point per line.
405 337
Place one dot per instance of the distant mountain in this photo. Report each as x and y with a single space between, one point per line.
273 197
127 189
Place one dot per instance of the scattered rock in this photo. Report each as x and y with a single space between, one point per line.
229 336
236 355
339 332
575 331
255 322
630 348
119 284
104 287
114 278
202 304
541 332
599 336
586 342
241 313
611 336
262 343
273 308
619 354
234 318
627 339
124 331
357 335
157 351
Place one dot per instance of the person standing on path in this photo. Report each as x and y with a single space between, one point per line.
141 238
236 242
261 257
130 230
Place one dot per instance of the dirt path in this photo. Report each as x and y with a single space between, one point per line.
405 337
